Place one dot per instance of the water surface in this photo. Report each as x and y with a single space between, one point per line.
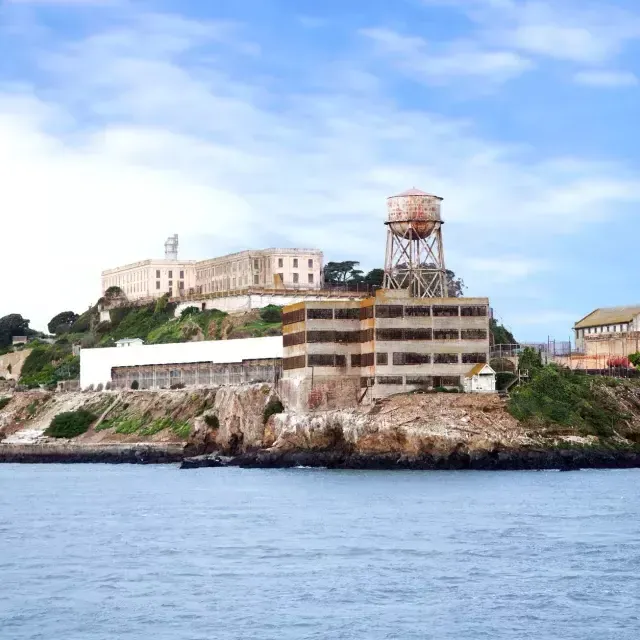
97 552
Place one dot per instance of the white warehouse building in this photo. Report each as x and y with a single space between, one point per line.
162 366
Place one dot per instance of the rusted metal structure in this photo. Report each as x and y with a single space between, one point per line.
415 253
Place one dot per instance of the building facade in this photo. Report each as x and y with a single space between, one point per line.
267 268
152 278
613 324
344 353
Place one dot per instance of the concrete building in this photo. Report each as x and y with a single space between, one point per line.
230 275
339 354
267 268
129 342
608 325
161 366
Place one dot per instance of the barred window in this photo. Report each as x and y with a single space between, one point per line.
355 360
366 335
366 313
347 336
347 314
401 358
425 381
382 358
473 311
443 311
298 362
389 380
446 381
321 336
389 334
417 311
417 334
473 334
445 358
366 360
389 311
292 339
320 314
474 358
292 317
446 334
326 360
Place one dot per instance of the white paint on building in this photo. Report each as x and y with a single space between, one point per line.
480 379
96 364
129 342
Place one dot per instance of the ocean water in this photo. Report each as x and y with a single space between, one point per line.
92 552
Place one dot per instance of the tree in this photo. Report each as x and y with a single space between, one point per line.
114 292
342 272
62 322
13 325
455 285
375 278
271 313
500 334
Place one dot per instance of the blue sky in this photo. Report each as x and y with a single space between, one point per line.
252 123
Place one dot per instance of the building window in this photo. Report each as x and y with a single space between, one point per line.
171 274
402 358
182 275
256 279
320 314
181 285
445 358
295 263
389 311
382 358
280 263
256 265
310 278
281 276
446 334
474 358
389 380
442 311
310 263
296 278
170 283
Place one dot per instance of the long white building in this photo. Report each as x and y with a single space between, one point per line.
161 366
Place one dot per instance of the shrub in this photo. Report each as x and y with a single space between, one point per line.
503 379
189 311
273 406
135 385
212 421
271 313
99 387
70 424
4 402
181 429
177 385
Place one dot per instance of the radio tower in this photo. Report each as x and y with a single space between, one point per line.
415 255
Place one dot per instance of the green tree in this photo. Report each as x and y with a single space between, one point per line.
500 334
13 325
271 313
375 278
530 360
344 272
114 292
62 322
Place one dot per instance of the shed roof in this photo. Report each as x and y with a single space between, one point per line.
608 315
478 369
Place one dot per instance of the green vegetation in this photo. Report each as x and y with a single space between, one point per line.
47 364
14 325
62 322
4 402
271 314
556 396
500 334
70 424
634 359
212 421
273 406
503 379
128 425
135 385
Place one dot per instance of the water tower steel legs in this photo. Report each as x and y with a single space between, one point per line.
416 264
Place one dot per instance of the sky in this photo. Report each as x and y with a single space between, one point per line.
246 124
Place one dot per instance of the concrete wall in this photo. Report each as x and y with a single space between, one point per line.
96 364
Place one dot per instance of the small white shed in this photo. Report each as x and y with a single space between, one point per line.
129 342
480 379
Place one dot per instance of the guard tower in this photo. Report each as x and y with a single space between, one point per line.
415 255
171 248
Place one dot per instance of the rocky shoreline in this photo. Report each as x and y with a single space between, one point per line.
522 460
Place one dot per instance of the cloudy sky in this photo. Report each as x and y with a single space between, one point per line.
254 123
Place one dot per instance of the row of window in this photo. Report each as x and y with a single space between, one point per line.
429 382
383 335
382 359
385 311
610 328
236 267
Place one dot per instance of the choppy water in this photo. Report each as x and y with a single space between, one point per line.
92 552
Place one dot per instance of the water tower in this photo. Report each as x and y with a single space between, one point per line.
171 248
415 255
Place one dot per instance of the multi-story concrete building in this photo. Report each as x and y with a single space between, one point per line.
343 353
151 278
267 268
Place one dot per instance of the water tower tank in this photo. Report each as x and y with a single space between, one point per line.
413 214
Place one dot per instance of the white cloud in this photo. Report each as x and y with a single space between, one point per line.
134 136
432 64
604 78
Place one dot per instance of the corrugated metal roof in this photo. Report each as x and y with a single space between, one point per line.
608 315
